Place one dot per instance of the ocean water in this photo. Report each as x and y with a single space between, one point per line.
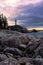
33 22
39 33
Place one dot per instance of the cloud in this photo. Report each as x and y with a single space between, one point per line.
26 11
30 15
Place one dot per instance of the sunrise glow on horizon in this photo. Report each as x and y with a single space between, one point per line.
36 28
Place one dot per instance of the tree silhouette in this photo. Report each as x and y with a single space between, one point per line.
3 21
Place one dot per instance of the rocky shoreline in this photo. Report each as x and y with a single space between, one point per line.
20 48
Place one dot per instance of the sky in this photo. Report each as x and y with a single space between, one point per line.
29 13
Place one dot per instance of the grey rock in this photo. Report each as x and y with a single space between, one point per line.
29 64
13 51
10 61
22 47
3 57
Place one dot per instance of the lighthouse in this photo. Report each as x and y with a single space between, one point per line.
15 22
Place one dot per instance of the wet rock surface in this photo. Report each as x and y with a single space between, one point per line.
20 48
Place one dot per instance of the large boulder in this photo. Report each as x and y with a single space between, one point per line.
13 51
14 40
31 47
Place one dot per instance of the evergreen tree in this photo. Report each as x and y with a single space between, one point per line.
3 21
